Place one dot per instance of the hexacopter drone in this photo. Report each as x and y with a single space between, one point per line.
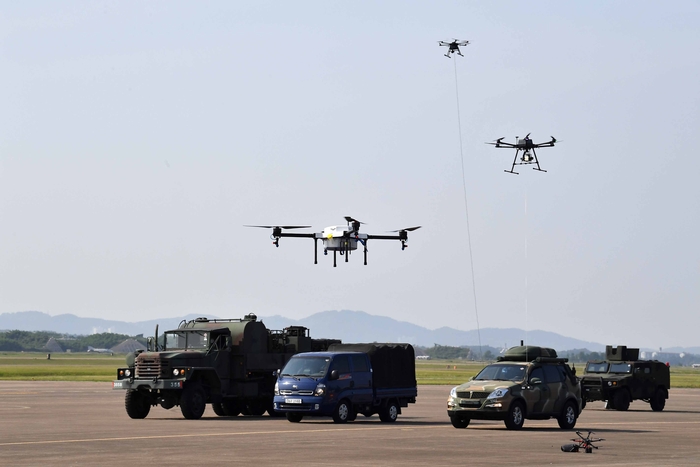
526 145
337 238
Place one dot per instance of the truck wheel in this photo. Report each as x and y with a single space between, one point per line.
256 407
218 409
621 400
567 418
231 408
459 422
515 416
389 413
137 404
658 400
193 402
341 412
294 417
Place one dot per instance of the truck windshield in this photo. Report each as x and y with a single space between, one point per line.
592 367
307 366
621 368
182 340
502 373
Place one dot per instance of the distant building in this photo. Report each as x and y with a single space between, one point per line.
53 346
128 346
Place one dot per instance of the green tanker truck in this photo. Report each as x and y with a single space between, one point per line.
229 363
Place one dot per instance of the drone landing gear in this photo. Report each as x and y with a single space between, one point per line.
527 159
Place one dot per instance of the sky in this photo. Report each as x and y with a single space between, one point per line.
138 138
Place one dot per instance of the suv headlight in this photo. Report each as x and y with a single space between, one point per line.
498 393
320 389
277 388
453 392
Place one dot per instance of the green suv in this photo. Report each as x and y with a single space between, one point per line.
527 382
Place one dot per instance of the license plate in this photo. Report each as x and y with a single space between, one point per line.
292 401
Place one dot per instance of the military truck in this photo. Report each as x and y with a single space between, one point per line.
228 363
527 382
622 378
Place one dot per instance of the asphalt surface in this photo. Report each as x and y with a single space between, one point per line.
63 423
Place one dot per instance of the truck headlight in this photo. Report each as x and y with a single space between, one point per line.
320 389
127 372
178 372
277 388
498 393
453 392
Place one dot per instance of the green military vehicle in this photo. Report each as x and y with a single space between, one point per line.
622 378
230 363
528 382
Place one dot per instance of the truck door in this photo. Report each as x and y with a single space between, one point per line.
362 376
341 387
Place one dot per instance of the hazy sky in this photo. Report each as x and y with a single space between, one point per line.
137 138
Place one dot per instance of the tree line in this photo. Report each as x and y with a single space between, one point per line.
35 341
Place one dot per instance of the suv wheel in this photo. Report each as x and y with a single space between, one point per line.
621 400
658 400
567 419
515 417
459 422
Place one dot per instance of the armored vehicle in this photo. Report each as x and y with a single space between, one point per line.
622 378
528 382
229 363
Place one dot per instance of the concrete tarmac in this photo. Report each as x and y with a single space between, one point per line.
85 424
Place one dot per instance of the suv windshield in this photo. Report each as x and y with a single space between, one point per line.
182 340
307 366
597 367
502 373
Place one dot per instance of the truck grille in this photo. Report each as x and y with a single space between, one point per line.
289 392
472 395
149 368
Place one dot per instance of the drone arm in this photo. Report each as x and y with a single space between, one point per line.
300 235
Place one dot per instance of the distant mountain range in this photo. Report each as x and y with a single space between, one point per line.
350 326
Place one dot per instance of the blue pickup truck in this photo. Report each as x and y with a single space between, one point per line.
347 380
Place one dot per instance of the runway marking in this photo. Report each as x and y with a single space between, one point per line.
312 431
202 435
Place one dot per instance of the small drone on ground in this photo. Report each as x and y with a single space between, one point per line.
337 238
526 145
582 442
453 46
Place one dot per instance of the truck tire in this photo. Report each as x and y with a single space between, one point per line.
389 413
137 404
568 416
218 409
621 400
515 416
342 411
232 408
658 400
193 402
294 417
459 422
256 407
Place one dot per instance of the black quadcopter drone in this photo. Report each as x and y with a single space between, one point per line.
528 147
582 442
337 238
453 46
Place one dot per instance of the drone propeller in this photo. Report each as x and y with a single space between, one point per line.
496 142
350 219
409 229
280 226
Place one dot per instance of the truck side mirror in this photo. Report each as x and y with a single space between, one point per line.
149 344
535 381
333 376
